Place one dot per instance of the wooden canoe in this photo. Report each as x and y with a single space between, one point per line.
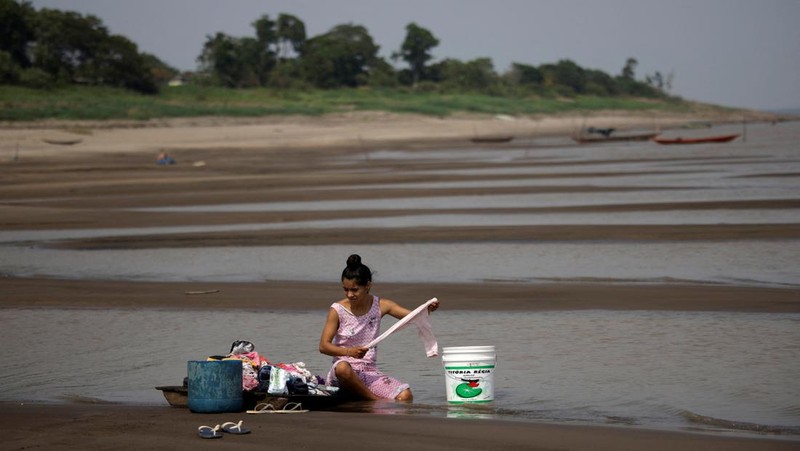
63 141
491 139
699 140
589 139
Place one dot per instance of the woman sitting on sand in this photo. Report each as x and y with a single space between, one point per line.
351 324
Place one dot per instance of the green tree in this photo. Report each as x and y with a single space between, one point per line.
67 44
382 74
248 62
262 58
668 81
656 80
343 56
599 83
288 75
9 69
477 75
416 50
74 48
565 74
119 63
627 84
16 30
660 81
291 35
221 60
629 70
161 72
266 34
525 74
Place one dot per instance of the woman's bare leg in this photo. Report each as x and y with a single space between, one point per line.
349 380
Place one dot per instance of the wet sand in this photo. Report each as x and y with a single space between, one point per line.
110 427
85 185
291 295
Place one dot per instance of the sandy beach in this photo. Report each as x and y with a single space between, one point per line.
101 181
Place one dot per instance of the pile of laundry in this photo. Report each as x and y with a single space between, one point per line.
278 379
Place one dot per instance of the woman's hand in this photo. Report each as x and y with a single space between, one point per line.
432 308
358 353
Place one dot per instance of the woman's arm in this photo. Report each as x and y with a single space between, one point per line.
389 307
326 345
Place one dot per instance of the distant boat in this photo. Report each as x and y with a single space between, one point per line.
587 139
696 125
62 142
699 140
491 139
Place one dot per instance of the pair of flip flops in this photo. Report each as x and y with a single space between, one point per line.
216 431
290 407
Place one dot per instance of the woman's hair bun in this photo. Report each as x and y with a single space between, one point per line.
356 270
354 261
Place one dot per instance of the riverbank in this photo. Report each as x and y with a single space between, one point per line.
355 130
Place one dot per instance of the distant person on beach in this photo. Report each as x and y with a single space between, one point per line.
351 324
164 159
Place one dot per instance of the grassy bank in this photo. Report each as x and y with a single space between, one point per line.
98 103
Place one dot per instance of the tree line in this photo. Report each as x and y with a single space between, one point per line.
51 47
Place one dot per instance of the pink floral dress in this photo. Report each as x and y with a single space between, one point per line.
357 331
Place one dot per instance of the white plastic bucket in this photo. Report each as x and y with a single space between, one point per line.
469 373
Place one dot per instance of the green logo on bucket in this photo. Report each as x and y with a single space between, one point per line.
470 383
469 389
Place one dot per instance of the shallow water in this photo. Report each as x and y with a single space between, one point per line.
653 369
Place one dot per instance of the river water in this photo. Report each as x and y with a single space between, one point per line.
708 371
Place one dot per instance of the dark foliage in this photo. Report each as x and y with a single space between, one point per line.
51 47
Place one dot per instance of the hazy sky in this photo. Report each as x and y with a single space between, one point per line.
742 53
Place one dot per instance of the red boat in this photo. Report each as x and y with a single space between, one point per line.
700 140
